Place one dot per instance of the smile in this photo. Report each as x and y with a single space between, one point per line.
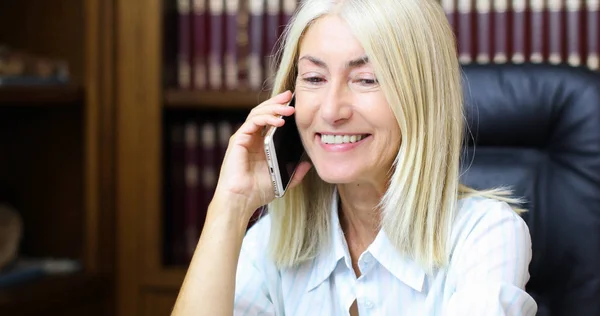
342 139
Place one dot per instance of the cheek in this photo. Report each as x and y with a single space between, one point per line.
304 114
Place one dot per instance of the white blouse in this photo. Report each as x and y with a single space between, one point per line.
488 270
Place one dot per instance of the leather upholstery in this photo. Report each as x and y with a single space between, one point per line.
536 127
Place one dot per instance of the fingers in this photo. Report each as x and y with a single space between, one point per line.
272 109
255 123
279 99
268 113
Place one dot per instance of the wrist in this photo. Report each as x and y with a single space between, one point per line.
231 208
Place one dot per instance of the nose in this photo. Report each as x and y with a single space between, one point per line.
335 107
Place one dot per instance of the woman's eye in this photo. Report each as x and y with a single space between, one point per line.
367 82
313 80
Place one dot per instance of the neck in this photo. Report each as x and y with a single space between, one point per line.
359 215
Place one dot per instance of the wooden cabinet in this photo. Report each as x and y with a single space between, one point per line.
56 156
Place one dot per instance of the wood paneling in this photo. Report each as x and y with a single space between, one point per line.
138 96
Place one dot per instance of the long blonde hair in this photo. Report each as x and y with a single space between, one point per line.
413 53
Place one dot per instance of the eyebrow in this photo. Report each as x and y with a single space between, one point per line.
354 63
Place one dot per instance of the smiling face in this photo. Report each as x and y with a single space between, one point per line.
347 127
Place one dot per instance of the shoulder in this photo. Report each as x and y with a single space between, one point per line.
473 212
480 220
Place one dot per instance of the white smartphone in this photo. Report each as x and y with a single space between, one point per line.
284 150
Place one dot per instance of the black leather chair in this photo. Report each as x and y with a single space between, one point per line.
536 128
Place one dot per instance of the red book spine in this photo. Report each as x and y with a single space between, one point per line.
518 51
217 49
574 19
255 68
191 188
537 31
555 33
231 47
465 29
184 54
593 35
200 45
500 30
484 32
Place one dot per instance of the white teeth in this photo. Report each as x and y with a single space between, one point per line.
341 139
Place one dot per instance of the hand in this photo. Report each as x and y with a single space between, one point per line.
245 172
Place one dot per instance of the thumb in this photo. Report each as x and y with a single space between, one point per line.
301 171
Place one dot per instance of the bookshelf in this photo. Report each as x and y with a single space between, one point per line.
57 156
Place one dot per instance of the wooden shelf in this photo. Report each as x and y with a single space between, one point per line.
175 98
53 294
40 95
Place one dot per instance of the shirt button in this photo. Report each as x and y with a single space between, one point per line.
368 304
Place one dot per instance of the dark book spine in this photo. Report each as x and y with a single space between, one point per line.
465 29
272 34
231 50
178 189
484 32
518 34
192 166
200 45
242 42
184 54
217 49
574 32
556 27
209 170
500 30
537 31
593 35
255 64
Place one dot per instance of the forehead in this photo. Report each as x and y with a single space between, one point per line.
329 38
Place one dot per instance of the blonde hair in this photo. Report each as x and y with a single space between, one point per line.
411 48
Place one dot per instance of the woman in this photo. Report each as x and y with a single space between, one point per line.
377 222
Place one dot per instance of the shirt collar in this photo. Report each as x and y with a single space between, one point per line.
403 268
